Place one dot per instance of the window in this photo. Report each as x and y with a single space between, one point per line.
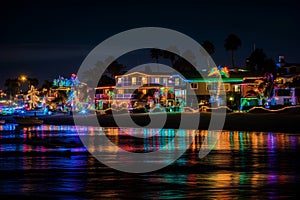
120 91
227 87
236 88
119 80
133 80
284 92
165 81
144 80
209 87
156 80
194 86
176 81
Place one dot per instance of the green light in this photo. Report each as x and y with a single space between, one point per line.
209 80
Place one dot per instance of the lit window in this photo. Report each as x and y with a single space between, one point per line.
120 91
119 80
165 81
194 86
176 81
236 88
227 87
156 80
133 80
144 80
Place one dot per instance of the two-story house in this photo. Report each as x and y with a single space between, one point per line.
168 89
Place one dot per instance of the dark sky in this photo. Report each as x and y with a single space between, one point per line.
44 39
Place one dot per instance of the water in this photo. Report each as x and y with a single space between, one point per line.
50 162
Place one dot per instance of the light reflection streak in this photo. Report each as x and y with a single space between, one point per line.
234 146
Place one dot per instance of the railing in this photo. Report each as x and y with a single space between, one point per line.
129 83
124 96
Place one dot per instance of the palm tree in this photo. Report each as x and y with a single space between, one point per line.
169 55
13 87
155 54
232 42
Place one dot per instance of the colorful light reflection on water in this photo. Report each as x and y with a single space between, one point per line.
241 165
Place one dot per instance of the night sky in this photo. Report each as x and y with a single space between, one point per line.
44 39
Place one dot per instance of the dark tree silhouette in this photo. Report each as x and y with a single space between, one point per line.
155 54
106 80
33 81
269 66
170 56
47 84
93 76
257 59
209 47
115 68
13 87
232 43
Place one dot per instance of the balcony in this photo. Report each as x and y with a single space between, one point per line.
124 96
129 83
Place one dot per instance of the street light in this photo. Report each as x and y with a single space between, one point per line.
23 79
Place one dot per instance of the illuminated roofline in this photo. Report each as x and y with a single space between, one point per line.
225 80
144 74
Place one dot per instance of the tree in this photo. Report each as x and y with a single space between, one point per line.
33 97
266 87
209 47
115 68
33 81
232 42
47 84
155 54
269 66
13 87
257 59
92 75
169 55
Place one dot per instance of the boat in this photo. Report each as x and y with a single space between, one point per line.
28 120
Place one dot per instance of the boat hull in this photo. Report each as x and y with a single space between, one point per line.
28 121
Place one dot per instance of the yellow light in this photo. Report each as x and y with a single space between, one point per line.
23 78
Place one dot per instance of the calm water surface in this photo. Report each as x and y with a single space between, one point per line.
50 162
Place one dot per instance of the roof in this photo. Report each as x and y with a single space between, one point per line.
291 64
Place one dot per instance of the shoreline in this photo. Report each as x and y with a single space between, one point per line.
257 122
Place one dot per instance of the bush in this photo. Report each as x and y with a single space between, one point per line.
139 110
